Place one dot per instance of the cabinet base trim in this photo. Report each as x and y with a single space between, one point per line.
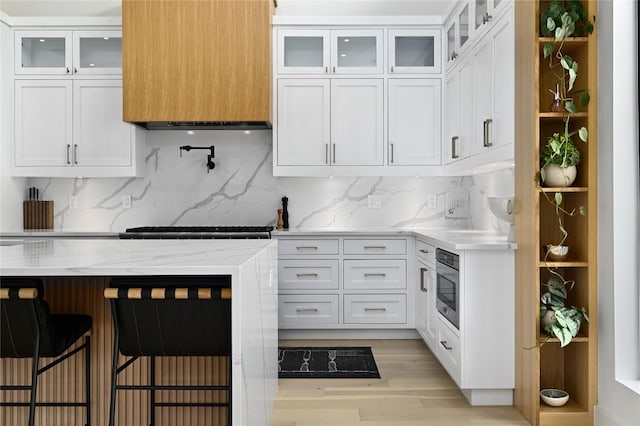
489 396
347 334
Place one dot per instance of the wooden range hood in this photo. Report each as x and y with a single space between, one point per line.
197 63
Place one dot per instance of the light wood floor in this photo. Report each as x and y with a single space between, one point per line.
414 390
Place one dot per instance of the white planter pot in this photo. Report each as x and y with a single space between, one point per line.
556 176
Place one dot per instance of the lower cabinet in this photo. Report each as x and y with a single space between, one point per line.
71 128
344 283
480 354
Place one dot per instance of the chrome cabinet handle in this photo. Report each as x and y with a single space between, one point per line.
68 70
375 309
422 287
423 251
307 247
391 153
334 70
326 153
486 124
334 153
68 148
75 153
454 144
444 345
486 18
326 70
391 68
306 274
371 274
306 309
375 247
454 55
75 70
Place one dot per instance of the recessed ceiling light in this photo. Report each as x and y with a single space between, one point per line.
42 40
346 40
106 38
247 132
343 54
190 132
92 65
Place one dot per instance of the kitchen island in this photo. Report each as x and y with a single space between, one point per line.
75 272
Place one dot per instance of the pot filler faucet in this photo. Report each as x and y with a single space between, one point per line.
210 164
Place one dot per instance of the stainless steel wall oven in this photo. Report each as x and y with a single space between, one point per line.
448 285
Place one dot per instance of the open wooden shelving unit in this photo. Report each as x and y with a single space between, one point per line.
574 367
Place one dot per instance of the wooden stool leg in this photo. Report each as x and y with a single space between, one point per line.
34 381
87 368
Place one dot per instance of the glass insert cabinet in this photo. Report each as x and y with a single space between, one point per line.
68 52
357 51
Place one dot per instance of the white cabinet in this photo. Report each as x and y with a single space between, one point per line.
426 302
414 122
330 51
357 114
324 122
493 64
304 128
414 51
53 52
457 33
485 12
66 128
459 84
345 282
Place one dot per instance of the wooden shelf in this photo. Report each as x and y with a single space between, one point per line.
570 407
569 264
568 41
560 115
563 189
577 339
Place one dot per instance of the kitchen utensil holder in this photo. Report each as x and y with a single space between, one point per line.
37 214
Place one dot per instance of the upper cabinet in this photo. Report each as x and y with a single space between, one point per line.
330 52
485 11
457 33
414 51
68 52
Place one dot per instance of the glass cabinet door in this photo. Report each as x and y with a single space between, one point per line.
303 52
356 52
97 52
481 13
43 52
463 25
451 43
414 51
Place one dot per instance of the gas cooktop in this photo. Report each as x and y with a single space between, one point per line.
197 232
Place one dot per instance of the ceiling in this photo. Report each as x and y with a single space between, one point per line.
285 7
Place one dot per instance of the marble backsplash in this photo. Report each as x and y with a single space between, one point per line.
242 190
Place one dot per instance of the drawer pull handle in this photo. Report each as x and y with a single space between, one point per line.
307 247
306 309
307 274
422 287
423 251
375 247
375 309
444 345
371 274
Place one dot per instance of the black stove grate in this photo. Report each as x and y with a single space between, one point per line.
198 232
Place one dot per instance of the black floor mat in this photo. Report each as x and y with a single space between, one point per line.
327 362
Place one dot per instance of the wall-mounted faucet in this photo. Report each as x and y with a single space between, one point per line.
210 164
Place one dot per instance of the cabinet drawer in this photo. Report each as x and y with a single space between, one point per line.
307 311
375 246
448 351
290 247
426 252
375 274
375 308
308 274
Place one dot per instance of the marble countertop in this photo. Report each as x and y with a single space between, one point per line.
452 239
109 257
59 233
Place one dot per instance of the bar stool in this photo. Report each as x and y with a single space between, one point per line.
168 321
28 330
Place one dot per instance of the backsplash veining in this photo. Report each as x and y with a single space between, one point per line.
240 190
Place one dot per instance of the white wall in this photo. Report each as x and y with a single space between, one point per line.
618 186
11 189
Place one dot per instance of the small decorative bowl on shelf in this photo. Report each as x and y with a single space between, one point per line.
556 253
554 397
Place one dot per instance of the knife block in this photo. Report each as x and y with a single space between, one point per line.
37 214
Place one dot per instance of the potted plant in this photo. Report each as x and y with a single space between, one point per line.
563 19
557 319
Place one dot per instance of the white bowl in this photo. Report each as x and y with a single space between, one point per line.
554 397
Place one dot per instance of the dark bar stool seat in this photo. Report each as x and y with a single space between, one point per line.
164 319
28 330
